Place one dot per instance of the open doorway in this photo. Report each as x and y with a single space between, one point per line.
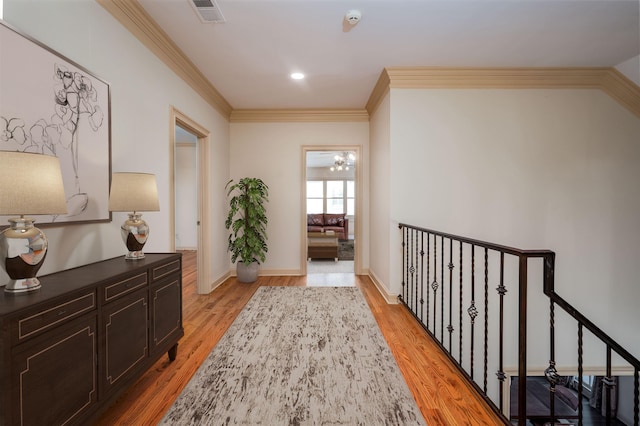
195 212
330 206
186 195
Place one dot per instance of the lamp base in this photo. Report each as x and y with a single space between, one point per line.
22 285
134 255
23 248
134 232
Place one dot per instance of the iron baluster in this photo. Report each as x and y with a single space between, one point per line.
422 275
460 310
450 327
636 396
442 290
580 371
434 284
415 295
608 383
522 339
551 373
405 270
428 277
486 315
472 311
501 291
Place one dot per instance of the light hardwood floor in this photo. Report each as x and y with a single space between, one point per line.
442 395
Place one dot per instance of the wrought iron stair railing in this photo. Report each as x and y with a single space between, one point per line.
445 285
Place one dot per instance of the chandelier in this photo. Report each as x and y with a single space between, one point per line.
342 161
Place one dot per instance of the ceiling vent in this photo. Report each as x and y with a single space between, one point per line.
208 11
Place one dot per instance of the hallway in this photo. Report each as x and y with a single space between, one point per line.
443 397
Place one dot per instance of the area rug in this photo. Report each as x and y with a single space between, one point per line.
299 356
345 250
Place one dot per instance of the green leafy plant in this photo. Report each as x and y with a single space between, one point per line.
247 219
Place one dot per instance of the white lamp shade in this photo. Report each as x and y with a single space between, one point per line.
136 192
30 184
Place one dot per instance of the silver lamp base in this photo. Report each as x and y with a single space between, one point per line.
23 248
134 232
23 285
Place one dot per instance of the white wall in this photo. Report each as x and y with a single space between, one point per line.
186 197
533 169
273 152
142 91
380 231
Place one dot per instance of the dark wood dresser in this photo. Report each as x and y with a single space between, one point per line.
69 349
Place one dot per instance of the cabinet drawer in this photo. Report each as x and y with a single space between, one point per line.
56 314
128 285
164 270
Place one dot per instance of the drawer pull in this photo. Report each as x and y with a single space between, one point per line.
62 312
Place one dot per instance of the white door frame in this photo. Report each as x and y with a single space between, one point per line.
357 149
202 157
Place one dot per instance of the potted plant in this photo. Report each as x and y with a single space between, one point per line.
247 220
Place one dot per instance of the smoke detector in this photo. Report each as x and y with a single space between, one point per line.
353 17
208 11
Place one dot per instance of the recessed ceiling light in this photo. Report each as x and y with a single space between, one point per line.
297 76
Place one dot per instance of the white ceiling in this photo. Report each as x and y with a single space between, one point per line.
249 58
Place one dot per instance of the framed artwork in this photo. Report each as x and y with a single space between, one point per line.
51 105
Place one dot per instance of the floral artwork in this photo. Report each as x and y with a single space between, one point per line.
54 107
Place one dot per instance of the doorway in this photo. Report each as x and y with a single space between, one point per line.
330 193
197 209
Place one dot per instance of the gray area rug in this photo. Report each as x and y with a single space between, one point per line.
299 356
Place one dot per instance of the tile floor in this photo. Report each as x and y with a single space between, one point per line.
330 273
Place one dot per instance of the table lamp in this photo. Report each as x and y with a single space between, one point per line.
134 192
29 184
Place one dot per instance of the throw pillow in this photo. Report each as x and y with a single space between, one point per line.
315 219
331 219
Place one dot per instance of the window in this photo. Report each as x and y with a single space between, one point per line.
331 196
335 196
351 198
315 196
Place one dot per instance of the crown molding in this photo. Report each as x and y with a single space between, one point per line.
494 78
298 115
139 23
609 80
623 90
379 91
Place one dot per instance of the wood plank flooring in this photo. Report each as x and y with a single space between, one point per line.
441 393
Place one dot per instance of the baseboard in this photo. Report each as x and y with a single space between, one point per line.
283 272
217 283
272 272
390 298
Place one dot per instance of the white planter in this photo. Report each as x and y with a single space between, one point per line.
247 273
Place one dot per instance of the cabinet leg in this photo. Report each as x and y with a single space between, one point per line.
173 352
